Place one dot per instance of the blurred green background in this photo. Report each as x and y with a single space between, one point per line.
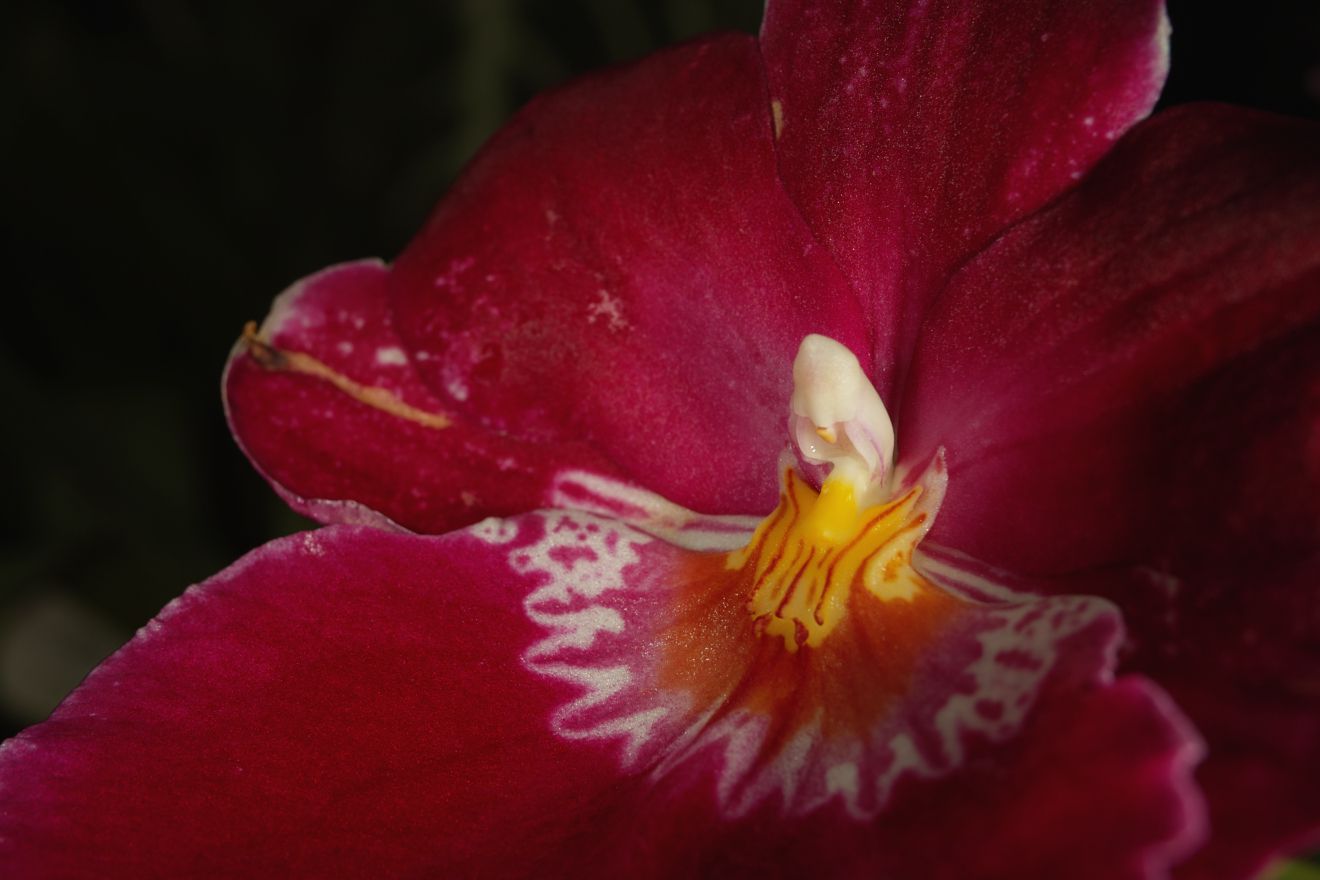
169 166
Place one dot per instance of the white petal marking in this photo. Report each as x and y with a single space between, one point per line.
596 599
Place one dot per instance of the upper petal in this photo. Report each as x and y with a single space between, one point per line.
620 265
910 133
1099 376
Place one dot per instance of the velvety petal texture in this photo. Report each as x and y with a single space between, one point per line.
327 404
1060 370
911 132
353 702
620 265
347 702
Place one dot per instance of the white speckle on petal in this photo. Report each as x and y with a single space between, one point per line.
391 356
457 388
610 308
312 544
494 530
449 277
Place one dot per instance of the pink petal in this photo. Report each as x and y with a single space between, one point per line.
1092 374
384 448
358 703
344 703
910 133
621 266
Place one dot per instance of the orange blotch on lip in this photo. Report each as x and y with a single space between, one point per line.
716 651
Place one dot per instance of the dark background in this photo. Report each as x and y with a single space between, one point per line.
169 166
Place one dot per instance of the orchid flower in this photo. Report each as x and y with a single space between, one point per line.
870 449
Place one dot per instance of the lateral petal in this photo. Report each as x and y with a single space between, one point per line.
1135 365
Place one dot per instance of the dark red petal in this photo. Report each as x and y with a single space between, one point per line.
1134 376
1225 614
1239 648
344 703
910 133
1228 617
341 453
620 265
1092 374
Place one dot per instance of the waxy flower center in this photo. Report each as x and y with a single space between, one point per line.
807 559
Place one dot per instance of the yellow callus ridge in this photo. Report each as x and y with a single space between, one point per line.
808 555
832 518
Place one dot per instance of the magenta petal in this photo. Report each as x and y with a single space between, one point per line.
620 265
1092 374
910 133
343 703
385 449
